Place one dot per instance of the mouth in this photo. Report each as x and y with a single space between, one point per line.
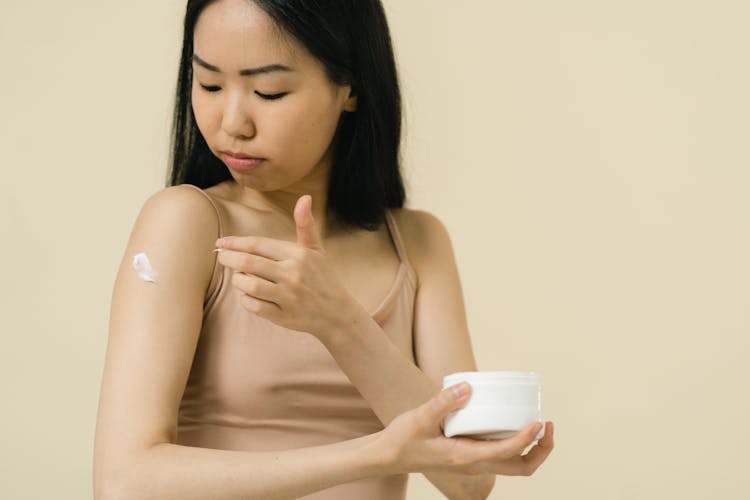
241 162
241 156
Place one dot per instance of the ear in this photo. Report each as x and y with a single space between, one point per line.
350 104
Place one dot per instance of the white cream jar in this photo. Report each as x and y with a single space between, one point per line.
501 404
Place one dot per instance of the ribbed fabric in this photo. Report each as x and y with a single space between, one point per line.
257 386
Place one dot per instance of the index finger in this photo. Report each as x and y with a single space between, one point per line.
270 248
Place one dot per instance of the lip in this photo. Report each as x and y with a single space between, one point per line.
241 155
241 162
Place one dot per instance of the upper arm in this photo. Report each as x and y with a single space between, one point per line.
154 327
441 335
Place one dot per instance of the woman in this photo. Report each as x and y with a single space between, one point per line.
305 356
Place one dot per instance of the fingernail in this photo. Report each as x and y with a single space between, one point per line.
460 390
537 427
220 242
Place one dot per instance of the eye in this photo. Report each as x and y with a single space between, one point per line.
271 97
268 97
210 89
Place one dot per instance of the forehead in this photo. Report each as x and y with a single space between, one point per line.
234 34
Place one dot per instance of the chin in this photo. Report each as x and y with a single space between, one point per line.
253 183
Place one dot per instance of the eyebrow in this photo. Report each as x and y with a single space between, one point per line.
243 72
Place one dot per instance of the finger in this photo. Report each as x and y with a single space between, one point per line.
505 449
270 248
449 399
307 231
539 453
256 287
503 456
267 310
251 264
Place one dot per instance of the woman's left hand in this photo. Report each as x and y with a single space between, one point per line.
291 284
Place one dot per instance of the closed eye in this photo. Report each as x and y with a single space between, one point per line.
268 97
210 89
271 97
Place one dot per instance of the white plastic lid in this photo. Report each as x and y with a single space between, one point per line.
491 376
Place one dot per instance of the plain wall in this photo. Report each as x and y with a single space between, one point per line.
589 158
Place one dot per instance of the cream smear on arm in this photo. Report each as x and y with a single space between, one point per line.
142 266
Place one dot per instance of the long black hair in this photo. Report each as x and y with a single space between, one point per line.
352 40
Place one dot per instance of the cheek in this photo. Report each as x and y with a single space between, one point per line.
308 131
201 112
207 119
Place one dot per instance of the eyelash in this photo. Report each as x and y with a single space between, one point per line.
268 97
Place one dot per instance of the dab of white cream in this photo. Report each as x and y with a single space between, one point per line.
143 267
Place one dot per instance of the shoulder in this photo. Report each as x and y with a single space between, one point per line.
175 223
176 228
418 224
181 196
425 237
181 208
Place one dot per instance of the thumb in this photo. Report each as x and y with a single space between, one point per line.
307 233
446 401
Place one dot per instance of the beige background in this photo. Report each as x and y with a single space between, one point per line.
590 159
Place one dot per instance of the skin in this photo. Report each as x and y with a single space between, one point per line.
293 133
297 271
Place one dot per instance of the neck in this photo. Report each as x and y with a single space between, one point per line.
283 201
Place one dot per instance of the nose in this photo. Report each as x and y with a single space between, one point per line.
236 120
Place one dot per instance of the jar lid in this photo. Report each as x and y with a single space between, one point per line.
491 376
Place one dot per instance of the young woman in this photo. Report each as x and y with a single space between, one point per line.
305 356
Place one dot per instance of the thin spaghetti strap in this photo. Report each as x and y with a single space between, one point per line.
217 274
396 236
218 213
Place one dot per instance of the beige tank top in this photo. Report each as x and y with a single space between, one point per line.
257 386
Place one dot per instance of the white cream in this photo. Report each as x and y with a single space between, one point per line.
143 267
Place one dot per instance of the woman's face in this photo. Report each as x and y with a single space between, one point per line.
286 114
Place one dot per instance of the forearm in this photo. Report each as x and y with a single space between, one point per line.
393 384
170 471
389 381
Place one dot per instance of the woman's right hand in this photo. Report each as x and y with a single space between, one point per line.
414 442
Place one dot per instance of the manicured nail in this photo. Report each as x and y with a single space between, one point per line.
460 390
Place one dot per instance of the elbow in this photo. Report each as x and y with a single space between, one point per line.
121 487
464 486
107 489
112 483
113 490
488 483
478 487
103 483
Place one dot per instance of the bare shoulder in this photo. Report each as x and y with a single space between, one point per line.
425 237
178 223
183 201
418 222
